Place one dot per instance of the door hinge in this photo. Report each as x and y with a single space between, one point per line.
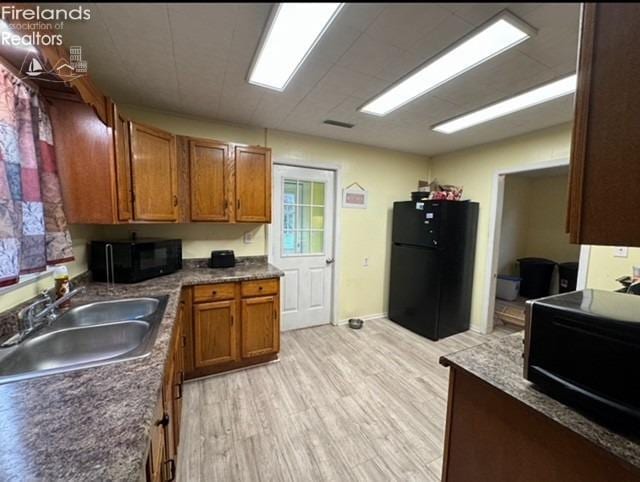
238 204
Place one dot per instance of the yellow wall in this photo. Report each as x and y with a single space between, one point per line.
387 175
604 268
475 168
16 295
546 236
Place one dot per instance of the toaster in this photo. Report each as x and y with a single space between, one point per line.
222 259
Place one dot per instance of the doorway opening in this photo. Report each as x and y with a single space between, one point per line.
303 243
530 254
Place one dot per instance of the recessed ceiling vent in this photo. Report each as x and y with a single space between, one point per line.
336 123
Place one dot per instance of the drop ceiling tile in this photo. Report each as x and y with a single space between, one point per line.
449 31
358 15
401 25
349 82
334 43
368 55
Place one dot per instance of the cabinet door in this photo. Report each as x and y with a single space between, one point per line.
178 373
154 172
605 156
260 326
253 184
156 456
84 152
123 165
210 180
215 340
168 422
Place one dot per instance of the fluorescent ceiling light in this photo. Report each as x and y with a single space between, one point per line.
294 30
499 34
9 38
544 93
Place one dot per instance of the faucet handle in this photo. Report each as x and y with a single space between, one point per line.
46 296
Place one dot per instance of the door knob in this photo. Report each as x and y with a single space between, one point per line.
330 260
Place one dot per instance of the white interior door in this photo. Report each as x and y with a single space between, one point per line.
303 243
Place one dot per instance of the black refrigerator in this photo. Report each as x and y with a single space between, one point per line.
432 255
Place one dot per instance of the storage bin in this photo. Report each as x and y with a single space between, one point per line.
568 277
536 276
507 287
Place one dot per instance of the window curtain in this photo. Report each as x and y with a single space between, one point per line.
33 228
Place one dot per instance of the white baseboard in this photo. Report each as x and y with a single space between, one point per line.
364 317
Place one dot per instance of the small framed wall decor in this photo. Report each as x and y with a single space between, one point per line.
354 196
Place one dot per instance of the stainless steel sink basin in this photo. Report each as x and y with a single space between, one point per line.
86 336
105 311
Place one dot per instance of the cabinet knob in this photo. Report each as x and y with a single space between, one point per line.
175 200
164 421
260 288
214 292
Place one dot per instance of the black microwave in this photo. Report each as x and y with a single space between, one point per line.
583 348
133 260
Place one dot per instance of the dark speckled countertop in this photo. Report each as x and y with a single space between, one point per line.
93 424
500 364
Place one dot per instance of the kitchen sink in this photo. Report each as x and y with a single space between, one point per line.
86 336
105 311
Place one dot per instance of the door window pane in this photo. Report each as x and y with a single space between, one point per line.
317 217
303 217
318 193
305 191
317 241
289 242
290 192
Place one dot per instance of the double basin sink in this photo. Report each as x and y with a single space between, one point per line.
86 336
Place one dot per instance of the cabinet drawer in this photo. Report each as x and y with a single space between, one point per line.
214 292
260 287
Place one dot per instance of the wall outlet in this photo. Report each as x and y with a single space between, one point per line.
248 237
365 262
620 252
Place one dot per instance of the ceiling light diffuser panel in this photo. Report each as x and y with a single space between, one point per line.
496 36
539 95
293 31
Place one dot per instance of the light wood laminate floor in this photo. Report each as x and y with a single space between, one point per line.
341 405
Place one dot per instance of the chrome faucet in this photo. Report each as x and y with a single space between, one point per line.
31 320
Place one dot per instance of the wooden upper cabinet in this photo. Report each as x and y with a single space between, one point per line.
260 326
253 184
122 154
214 334
605 156
84 151
154 174
210 180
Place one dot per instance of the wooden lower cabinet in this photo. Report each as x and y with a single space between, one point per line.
491 436
215 340
260 326
165 431
232 325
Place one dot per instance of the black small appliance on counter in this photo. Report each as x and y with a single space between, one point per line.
222 259
135 259
582 348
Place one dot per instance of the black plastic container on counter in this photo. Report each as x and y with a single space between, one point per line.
222 259
536 276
